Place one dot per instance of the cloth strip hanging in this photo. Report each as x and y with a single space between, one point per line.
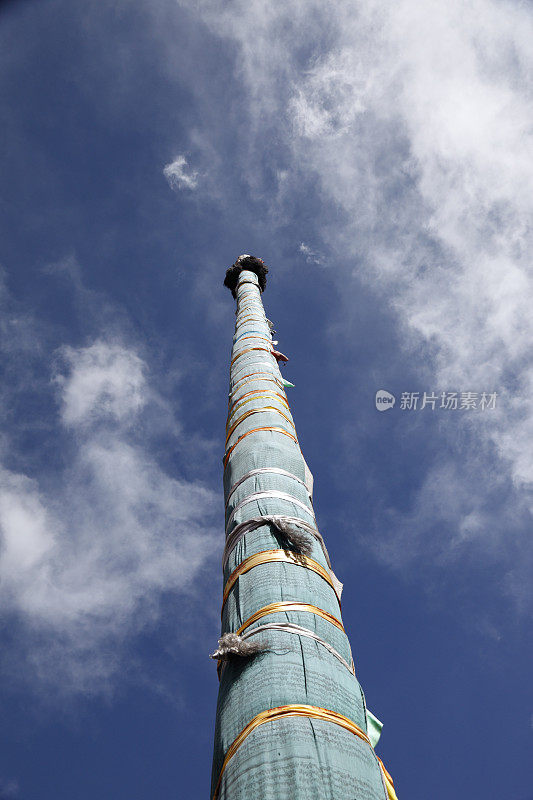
265 471
374 726
290 627
265 495
278 520
256 430
311 712
243 417
266 519
283 607
276 556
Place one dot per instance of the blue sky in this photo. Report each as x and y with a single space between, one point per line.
378 157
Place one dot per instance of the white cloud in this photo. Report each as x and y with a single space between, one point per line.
178 176
85 559
9 789
310 256
415 122
105 380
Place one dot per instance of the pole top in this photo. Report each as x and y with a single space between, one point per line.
252 264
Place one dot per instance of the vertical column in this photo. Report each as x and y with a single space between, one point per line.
291 717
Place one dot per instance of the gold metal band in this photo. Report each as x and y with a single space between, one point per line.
275 556
249 307
264 338
249 350
272 378
389 783
285 606
272 714
247 414
255 430
240 401
242 321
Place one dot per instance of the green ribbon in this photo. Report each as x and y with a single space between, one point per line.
374 728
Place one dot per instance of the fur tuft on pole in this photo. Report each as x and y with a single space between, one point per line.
230 644
252 264
299 541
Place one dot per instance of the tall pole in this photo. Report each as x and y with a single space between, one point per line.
291 717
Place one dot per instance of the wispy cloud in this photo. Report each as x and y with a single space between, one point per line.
179 175
90 550
414 121
310 256
105 380
9 789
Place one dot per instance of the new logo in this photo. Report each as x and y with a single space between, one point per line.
384 400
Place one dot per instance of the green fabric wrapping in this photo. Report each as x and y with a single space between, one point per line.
289 757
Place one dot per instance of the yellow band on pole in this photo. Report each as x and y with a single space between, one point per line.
250 308
249 350
261 393
273 396
272 714
389 783
255 430
275 556
285 606
247 414
264 338
271 379
246 319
